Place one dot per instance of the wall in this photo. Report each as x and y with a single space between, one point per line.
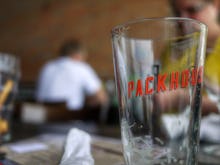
34 29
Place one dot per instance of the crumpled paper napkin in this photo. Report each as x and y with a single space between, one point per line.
77 149
210 128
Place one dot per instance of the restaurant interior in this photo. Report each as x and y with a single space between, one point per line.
33 31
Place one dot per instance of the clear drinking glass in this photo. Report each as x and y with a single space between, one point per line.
158 65
9 75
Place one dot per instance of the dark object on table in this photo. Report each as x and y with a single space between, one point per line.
8 162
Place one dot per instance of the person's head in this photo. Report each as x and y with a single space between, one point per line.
74 49
206 11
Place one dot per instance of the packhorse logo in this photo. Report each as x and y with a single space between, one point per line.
164 82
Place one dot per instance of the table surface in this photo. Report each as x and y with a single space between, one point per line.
105 151
103 148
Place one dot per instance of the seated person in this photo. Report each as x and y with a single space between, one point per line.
206 11
70 79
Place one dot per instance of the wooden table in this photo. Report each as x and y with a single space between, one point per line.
105 151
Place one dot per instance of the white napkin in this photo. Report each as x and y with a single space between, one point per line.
210 128
77 149
176 124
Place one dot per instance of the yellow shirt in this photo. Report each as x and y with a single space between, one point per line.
180 54
212 64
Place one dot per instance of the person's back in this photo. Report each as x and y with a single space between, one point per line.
69 79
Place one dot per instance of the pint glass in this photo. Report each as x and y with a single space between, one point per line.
9 75
158 65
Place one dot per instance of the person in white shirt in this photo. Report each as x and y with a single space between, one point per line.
70 79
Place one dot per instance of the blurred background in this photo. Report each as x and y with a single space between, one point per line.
34 30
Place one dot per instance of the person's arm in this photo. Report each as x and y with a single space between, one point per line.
170 100
208 106
167 101
95 93
99 98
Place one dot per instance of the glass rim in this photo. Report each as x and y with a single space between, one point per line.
115 30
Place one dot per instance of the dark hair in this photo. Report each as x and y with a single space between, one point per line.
70 47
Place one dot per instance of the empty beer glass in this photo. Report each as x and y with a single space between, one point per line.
158 65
